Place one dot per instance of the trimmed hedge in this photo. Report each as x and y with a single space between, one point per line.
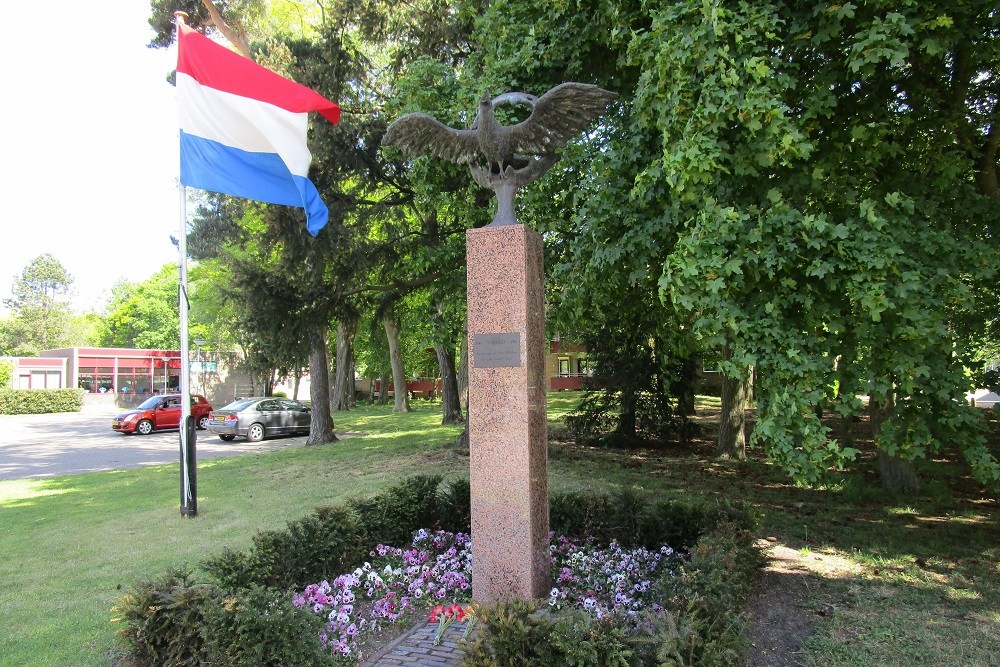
39 401
244 617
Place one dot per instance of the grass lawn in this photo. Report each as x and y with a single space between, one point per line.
921 582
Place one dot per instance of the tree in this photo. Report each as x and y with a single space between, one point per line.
41 317
834 167
818 183
6 373
143 315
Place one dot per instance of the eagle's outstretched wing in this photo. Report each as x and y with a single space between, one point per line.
558 116
423 134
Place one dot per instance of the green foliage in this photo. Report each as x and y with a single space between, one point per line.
41 318
830 234
514 634
322 545
260 627
700 625
455 506
392 516
144 315
627 401
6 373
173 621
720 574
627 516
165 620
39 401
333 540
991 380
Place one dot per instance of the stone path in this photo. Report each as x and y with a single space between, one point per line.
416 648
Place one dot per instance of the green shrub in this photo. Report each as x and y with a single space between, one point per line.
6 373
720 573
323 545
39 401
700 625
259 627
164 619
627 517
392 516
175 622
455 507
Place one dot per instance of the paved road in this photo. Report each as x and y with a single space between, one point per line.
66 443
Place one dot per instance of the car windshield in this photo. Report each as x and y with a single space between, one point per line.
238 405
149 403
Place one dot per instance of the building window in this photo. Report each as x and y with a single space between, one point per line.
583 366
564 366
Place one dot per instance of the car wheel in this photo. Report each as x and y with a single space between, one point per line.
145 427
255 433
203 422
226 436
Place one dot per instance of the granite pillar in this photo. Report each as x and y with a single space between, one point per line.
507 414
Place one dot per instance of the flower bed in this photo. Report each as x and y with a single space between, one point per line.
435 570
607 601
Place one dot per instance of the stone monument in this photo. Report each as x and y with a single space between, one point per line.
508 454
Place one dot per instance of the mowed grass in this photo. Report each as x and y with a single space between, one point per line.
70 546
924 587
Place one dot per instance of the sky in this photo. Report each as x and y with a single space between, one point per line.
90 148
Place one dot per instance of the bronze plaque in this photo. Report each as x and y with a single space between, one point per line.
496 350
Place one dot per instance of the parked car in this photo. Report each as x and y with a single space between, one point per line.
159 412
259 417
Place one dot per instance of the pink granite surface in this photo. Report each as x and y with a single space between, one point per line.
507 417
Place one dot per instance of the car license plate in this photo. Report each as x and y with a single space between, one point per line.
218 418
115 424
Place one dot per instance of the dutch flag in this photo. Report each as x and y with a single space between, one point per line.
243 127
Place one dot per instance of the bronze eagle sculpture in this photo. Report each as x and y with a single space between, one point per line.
506 157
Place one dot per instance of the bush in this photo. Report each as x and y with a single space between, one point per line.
719 575
626 516
392 516
324 544
455 507
259 627
164 619
699 624
175 622
39 401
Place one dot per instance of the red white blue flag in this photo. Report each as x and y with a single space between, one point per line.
243 127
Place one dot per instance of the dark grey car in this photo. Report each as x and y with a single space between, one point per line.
258 418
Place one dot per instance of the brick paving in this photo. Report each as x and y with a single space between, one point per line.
416 648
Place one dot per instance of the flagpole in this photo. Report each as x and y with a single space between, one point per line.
188 501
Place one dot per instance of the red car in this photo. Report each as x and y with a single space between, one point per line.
159 412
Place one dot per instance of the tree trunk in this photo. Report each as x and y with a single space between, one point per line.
462 441
736 395
627 417
352 378
845 368
452 410
320 420
684 387
396 359
383 389
897 474
295 386
463 373
341 398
